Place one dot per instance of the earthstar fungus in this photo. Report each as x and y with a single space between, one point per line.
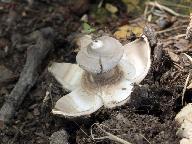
104 76
184 120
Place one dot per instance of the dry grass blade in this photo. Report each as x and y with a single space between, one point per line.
145 138
190 86
164 8
171 29
185 87
108 135
189 57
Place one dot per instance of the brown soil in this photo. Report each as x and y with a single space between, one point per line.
149 115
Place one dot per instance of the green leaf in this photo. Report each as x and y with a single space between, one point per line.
87 28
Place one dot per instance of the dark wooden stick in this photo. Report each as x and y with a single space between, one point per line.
29 75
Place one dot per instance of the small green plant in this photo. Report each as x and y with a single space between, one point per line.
87 28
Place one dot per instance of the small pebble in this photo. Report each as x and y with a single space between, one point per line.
59 137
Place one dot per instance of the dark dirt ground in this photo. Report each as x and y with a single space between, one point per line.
148 117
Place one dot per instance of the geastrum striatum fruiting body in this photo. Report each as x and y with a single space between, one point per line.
104 75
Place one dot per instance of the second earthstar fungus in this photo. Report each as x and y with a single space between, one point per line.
104 75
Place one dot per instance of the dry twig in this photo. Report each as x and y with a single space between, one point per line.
171 29
190 59
109 136
145 138
164 8
29 75
185 87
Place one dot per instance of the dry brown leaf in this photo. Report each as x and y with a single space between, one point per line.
121 34
125 31
124 28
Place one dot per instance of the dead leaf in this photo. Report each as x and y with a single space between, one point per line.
136 30
125 31
121 34
124 28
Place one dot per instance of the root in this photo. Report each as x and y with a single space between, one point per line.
108 135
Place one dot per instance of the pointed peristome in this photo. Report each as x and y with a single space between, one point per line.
101 55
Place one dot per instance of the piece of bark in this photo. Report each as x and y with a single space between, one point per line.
29 75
